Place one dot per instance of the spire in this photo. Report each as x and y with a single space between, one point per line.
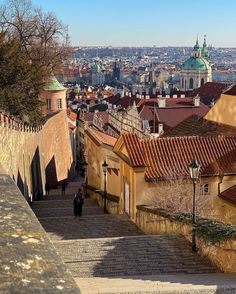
196 49
205 53
204 43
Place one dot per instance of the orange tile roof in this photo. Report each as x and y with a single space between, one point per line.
168 158
134 148
72 115
101 137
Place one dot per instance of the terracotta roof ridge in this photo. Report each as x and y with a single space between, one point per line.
186 137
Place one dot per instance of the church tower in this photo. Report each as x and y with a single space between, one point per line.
196 71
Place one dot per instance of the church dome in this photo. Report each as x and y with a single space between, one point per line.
196 63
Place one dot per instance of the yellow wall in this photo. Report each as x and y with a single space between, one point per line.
176 195
224 111
96 156
223 254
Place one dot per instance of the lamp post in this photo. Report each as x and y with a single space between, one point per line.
104 167
86 178
194 169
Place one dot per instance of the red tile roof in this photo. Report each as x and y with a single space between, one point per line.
88 116
229 194
168 158
134 149
209 92
198 126
231 90
103 115
101 137
176 110
72 115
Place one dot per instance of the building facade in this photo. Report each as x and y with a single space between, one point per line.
196 71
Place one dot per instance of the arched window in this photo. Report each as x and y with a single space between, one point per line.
202 82
190 83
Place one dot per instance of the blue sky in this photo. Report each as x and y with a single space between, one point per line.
146 22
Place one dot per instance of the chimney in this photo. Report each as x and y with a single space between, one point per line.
160 128
162 102
196 101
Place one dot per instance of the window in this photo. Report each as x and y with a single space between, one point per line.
48 103
59 103
202 82
205 189
191 83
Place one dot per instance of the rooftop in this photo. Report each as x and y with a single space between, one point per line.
229 194
54 85
198 126
164 157
100 137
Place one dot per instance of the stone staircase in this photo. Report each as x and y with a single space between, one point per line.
101 249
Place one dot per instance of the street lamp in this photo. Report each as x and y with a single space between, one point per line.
194 169
104 167
86 178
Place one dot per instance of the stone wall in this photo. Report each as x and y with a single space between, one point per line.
29 261
33 156
159 221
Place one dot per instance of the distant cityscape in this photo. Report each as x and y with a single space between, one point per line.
134 62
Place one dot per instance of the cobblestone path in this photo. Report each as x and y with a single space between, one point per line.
109 254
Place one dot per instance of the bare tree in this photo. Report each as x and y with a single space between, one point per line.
43 37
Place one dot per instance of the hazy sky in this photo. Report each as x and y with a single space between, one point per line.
146 22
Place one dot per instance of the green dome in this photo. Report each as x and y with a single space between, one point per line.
196 63
54 85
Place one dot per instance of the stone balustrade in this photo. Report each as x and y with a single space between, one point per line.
11 122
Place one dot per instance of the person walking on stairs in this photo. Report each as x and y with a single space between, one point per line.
78 203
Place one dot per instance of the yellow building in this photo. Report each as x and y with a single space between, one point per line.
99 147
155 172
224 111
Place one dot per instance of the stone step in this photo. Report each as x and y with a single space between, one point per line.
66 203
156 284
89 226
125 256
66 211
58 196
